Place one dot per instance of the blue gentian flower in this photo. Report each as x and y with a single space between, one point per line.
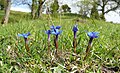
53 27
55 30
75 29
93 34
25 35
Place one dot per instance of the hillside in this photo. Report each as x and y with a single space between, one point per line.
104 54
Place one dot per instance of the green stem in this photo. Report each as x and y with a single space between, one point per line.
49 47
26 45
56 43
74 44
88 48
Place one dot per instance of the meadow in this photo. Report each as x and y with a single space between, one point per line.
104 54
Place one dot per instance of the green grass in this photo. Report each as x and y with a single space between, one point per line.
105 50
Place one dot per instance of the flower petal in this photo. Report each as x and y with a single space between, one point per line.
54 33
48 32
93 34
75 29
19 35
90 34
52 27
60 32
28 34
24 35
58 27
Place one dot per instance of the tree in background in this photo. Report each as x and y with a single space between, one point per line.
36 8
94 12
54 7
91 6
85 7
7 12
22 2
39 9
107 6
66 8
33 10
34 5
2 4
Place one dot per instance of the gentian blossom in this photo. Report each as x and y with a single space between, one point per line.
75 29
92 35
55 31
25 36
53 27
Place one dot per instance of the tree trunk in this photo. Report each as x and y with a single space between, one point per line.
33 9
102 16
7 12
39 10
103 12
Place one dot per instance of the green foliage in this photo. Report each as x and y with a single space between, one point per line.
54 7
85 7
2 4
105 50
94 12
66 8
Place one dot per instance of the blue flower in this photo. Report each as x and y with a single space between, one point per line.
53 27
48 32
24 35
58 27
75 29
93 34
55 30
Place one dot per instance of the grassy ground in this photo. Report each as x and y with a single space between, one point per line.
104 54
